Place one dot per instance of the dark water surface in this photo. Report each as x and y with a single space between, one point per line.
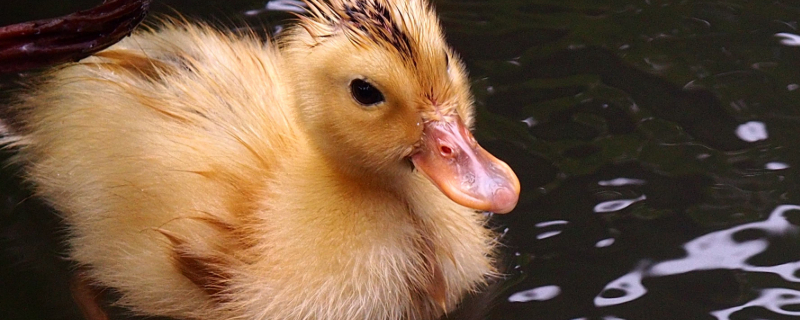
654 140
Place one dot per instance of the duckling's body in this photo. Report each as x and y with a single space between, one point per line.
205 175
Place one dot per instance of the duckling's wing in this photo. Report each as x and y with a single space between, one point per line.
156 136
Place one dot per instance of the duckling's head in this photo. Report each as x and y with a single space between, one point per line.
382 94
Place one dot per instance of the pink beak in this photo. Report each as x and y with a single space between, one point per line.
466 173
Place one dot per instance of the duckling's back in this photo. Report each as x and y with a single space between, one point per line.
151 138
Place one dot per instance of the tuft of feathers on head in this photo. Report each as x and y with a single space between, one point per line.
365 22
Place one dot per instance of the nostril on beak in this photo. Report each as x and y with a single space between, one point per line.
446 151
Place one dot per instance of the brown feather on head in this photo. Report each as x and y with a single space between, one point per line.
363 22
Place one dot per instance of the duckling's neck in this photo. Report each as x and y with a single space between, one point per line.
356 226
368 185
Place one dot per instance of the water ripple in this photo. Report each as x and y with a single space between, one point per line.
719 250
771 299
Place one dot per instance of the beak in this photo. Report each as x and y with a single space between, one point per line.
466 173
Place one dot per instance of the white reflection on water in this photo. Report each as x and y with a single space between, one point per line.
536 294
752 131
286 5
618 182
604 243
296 6
616 205
546 292
551 223
548 234
771 299
719 250
529 121
629 286
776 166
789 39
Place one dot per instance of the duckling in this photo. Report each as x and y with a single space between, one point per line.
330 174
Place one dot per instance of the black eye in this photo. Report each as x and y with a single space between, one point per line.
365 93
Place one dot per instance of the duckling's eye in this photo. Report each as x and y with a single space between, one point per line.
365 93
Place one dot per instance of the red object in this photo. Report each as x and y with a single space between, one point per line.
46 42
